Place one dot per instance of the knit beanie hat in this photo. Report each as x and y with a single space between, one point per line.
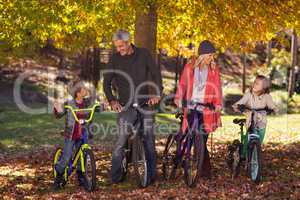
206 47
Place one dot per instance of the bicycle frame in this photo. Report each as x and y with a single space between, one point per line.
84 145
248 135
187 137
79 155
244 141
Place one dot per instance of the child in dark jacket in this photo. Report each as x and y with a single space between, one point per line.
73 131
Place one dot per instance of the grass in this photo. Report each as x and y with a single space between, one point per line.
21 131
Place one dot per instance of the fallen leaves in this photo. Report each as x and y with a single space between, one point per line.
30 177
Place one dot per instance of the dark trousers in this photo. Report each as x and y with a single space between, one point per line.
125 121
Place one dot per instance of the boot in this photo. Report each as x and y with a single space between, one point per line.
206 167
58 181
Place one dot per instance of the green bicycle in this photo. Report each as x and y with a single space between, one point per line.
84 154
248 148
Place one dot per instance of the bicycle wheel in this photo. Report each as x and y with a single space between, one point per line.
194 160
233 157
56 156
139 161
90 170
255 163
125 161
169 155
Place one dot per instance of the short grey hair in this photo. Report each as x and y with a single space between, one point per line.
121 34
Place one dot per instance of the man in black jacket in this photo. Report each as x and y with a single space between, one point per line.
129 69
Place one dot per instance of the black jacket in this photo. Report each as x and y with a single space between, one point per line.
135 70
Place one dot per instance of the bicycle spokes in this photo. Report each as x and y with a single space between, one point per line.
88 168
254 163
193 161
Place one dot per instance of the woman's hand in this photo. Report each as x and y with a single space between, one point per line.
218 109
178 103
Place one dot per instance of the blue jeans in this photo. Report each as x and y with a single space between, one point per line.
125 120
67 155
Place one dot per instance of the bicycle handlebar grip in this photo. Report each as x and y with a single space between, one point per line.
211 106
241 107
179 115
99 108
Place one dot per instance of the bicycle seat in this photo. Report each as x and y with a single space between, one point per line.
239 121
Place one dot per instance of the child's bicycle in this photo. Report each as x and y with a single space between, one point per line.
84 154
135 150
248 148
185 150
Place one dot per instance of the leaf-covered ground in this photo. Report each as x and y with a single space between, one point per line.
29 176
27 141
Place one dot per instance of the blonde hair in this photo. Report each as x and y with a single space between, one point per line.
200 59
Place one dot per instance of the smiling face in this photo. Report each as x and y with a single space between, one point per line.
123 47
81 93
208 59
258 86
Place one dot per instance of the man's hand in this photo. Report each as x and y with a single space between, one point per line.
154 100
115 106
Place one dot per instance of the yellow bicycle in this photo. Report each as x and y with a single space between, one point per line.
84 154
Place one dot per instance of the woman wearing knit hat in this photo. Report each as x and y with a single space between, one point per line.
200 83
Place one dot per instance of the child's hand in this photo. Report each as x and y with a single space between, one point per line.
57 106
235 108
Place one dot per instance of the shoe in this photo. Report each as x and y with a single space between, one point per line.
58 181
206 167
81 178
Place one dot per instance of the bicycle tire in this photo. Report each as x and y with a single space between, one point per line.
139 157
55 158
233 158
197 148
169 156
90 172
255 161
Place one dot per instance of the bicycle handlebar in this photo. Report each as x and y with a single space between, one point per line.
96 108
242 108
139 105
185 103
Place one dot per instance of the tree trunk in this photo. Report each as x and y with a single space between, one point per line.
269 58
146 29
145 33
96 67
291 84
244 73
